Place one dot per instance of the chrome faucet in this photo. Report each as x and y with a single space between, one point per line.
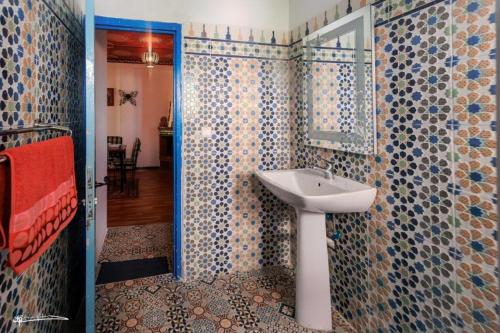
328 171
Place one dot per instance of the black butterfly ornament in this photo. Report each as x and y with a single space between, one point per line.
128 97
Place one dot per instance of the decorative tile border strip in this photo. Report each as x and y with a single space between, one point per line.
390 10
324 18
236 34
248 42
238 49
337 55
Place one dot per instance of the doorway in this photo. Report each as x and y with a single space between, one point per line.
140 144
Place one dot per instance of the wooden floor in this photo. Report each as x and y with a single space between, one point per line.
155 203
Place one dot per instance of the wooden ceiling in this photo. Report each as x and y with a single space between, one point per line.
128 47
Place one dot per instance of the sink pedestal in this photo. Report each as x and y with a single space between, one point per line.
312 300
309 191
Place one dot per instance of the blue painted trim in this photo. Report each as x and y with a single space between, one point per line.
178 154
89 168
110 23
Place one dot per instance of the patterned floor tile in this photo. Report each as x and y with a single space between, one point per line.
137 242
256 301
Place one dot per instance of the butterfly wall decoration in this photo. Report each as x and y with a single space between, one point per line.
128 97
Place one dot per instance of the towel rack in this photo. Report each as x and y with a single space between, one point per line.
37 127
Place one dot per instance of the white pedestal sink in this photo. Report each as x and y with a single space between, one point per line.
313 195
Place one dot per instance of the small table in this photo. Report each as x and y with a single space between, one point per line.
120 151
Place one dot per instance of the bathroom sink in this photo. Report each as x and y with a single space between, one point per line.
313 194
308 189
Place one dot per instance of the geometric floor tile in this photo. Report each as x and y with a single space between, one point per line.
137 242
257 301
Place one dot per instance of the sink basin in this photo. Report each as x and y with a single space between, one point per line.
308 189
313 195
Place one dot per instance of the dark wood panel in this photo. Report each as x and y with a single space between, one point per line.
155 203
166 150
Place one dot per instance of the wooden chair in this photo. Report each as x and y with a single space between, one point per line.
113 160
131 165
115 140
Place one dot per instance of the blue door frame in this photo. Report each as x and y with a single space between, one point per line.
107 23
175 29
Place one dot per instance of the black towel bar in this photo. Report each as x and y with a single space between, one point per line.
37 127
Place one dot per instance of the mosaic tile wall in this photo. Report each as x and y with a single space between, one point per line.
424 257
41 68
236 120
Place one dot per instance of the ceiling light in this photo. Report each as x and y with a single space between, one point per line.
150 58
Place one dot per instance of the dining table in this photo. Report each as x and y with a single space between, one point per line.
119 152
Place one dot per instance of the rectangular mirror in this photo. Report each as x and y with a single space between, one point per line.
339 84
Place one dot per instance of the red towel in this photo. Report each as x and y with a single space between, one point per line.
43 198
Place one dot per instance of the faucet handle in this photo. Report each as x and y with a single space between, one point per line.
325 160
329 163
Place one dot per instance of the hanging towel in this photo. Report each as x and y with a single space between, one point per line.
43 198
5 204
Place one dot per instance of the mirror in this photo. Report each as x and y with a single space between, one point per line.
338 84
